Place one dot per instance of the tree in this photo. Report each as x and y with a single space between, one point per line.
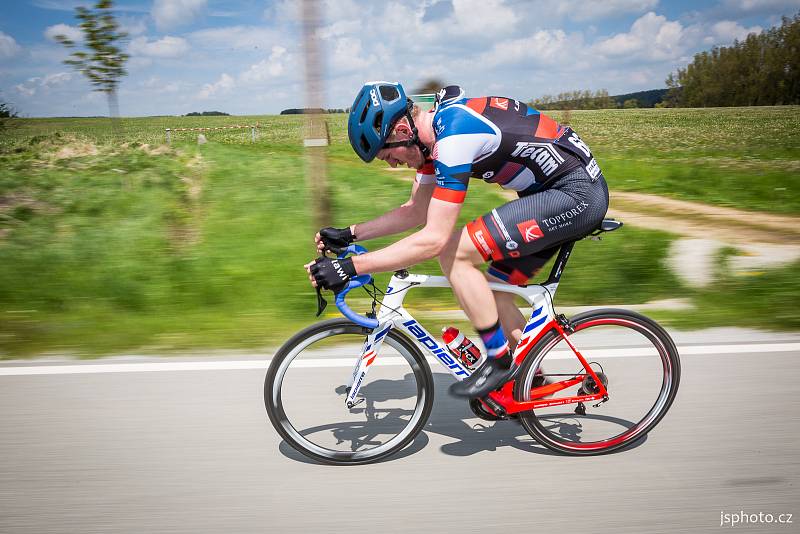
100 60
431 85
7 111
630 103
760 70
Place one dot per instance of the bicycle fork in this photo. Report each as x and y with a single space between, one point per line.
368 354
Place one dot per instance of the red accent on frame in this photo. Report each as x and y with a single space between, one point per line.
505 397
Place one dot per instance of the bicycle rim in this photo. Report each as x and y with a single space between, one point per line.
305 394
640 363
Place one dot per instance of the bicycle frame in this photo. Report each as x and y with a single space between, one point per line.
543 319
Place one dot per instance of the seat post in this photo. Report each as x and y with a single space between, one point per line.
561 262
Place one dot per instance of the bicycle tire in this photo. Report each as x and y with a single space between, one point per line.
279 419
649 329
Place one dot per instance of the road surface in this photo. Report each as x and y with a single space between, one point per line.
187 447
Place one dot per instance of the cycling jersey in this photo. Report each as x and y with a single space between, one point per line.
500 140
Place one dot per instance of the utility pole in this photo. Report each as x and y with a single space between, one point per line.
316 132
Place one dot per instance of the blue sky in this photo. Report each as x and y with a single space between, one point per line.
245 57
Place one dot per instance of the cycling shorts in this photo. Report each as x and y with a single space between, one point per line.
521 236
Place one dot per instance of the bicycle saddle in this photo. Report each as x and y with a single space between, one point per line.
609 225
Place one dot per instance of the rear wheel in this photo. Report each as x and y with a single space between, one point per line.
633 354
307 384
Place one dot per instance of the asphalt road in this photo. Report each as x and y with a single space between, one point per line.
193 451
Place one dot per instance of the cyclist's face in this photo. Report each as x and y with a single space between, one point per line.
401 155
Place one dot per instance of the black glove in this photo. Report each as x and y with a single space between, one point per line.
336 239
333 274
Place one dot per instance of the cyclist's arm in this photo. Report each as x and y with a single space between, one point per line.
409 215
425 244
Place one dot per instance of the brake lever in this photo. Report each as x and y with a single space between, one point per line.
321 302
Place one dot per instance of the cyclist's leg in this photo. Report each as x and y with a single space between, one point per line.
519 237
459 261
515 271
570 209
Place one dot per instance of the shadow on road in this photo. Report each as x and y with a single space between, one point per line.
451 417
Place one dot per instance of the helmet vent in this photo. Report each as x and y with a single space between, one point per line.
376 124
389 92
363 114
364 144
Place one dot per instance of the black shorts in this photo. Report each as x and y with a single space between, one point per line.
521 236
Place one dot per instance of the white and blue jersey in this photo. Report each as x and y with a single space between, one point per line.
499 140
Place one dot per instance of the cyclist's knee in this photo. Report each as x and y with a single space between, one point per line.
459 249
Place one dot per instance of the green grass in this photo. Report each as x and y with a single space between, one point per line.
768 300
746 158
130 249
124 245
740 157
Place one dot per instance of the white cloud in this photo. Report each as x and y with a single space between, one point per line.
482 16
25 90
543 47
582 10
133 25
32 85
285 11
271 67
347 55
8 46
56 79
725 31
157 85
166 47
70 32
752 7
172 13
652 37
238 38
221 86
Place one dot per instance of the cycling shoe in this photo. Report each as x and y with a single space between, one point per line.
485 379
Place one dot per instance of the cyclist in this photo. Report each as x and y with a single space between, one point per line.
562 197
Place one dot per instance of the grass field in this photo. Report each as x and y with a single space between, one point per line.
110 245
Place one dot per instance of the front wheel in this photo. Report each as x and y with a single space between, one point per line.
633 354
307 384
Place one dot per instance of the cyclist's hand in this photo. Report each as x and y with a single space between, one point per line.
333 239
330 273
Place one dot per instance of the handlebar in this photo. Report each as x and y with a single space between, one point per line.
356 281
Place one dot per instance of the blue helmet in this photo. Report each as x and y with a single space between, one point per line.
375 110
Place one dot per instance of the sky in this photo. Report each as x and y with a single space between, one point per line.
245 57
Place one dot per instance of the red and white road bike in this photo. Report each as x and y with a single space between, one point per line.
357 390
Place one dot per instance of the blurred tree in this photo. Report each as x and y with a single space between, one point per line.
579 99
630 103
761 70
7 111
431 85
100 60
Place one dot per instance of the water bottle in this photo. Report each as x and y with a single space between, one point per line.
462 348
